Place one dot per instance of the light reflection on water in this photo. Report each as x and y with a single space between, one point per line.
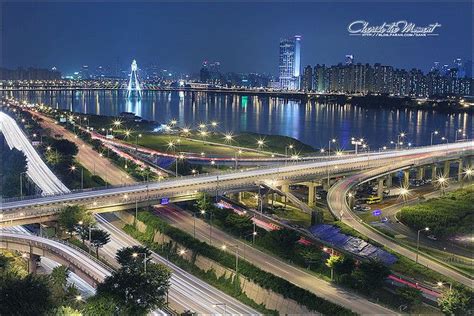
311 122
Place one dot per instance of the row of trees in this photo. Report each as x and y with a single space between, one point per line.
74 219
13 166
136 288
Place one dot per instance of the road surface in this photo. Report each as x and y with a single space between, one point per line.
338 205
191 184
87 156
271 264
37 170
186 291
189 291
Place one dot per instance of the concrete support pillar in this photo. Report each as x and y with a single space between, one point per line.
285 188
406 178
326 184
311 194
239 197
380 188
388 181
420 173
32 259
265 200
434 174
460 170
446 169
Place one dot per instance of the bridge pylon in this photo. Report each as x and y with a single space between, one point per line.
134 89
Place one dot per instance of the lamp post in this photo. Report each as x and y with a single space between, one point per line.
136 141
135 255
356 143
329 153
400 136
21 183
440 284
433 133
456 134
290 146
418 241
236 247
221 304
73 168
180 157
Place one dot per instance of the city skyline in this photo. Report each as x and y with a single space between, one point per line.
182 48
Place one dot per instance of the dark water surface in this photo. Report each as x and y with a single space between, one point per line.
312 123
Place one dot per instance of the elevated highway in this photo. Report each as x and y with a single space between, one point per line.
339 206
78 261
46 207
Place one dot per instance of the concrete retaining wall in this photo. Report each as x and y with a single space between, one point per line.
258 294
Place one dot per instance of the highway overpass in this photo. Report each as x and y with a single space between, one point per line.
85 266
44 208
338 202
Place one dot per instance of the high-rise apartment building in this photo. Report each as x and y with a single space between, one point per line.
307 80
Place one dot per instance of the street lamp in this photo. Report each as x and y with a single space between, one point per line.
333 141
21 183
400 138
221 304
260 143
404 192
433 133
180 157
442 182
290 146
418 241
136 140
73 168
135 255
440 284
356 143
236 247
456 134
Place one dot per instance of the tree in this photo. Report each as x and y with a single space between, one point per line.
332 262
344 266
65 147
128 260
239 224
455 302
204 202
13 164
311 256
371 275
99 238
136 292
71 216
24 296
102 304
282 241
411 296
4 262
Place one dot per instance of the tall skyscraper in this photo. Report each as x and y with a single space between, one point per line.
290 63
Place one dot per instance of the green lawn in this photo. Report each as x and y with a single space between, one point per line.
446 216
158 141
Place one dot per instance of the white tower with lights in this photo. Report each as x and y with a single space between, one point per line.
134 90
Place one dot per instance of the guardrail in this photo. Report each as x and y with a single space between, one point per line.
32 241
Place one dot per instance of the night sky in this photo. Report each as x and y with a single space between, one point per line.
243 36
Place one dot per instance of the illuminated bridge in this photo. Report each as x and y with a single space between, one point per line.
45 208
